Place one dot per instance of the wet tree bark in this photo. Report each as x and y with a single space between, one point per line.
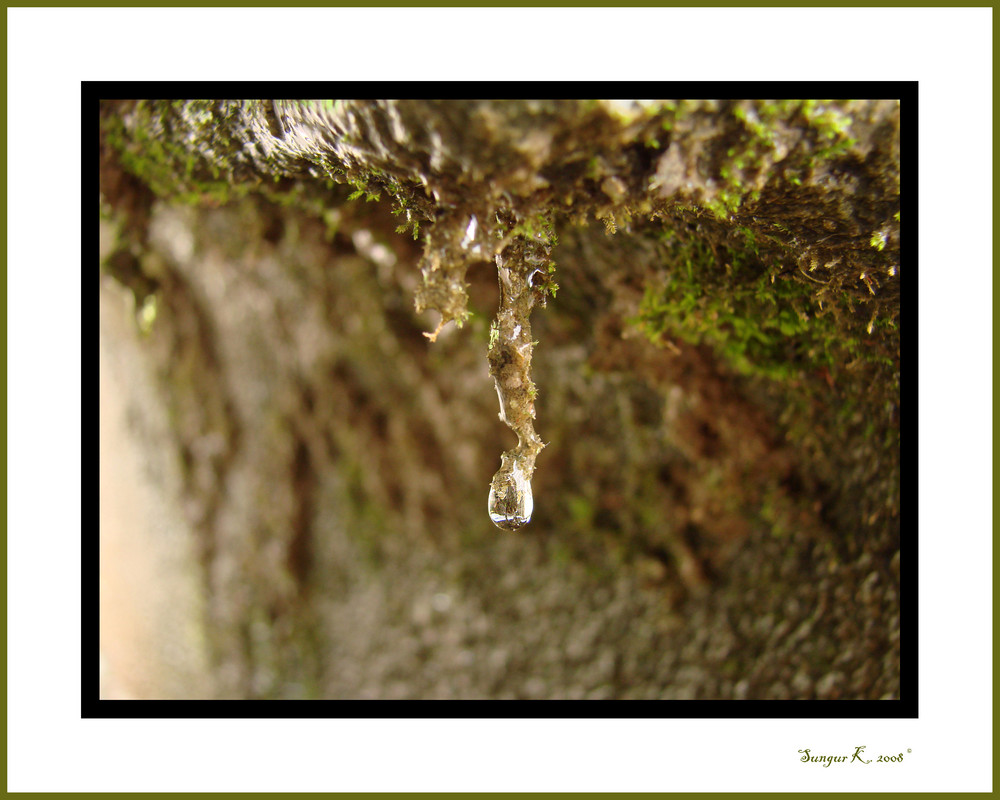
295 478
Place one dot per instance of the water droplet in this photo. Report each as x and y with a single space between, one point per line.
510 503
470 233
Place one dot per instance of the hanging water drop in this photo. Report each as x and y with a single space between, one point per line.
510 503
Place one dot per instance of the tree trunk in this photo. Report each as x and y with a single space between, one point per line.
697 309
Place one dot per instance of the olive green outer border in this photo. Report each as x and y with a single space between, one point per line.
521 4
3 401
383 4
530 795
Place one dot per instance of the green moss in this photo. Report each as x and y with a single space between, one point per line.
758 323
750 154
832 127
537 227
828 128
182 151
148 147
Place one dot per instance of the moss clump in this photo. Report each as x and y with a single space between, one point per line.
760 323
151 142
759 143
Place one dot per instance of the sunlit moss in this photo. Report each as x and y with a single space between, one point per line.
759 324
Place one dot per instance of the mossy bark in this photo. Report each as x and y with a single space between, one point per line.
717 505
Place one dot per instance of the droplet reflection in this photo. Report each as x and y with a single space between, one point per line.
510 503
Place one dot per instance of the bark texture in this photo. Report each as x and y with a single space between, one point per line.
301 476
